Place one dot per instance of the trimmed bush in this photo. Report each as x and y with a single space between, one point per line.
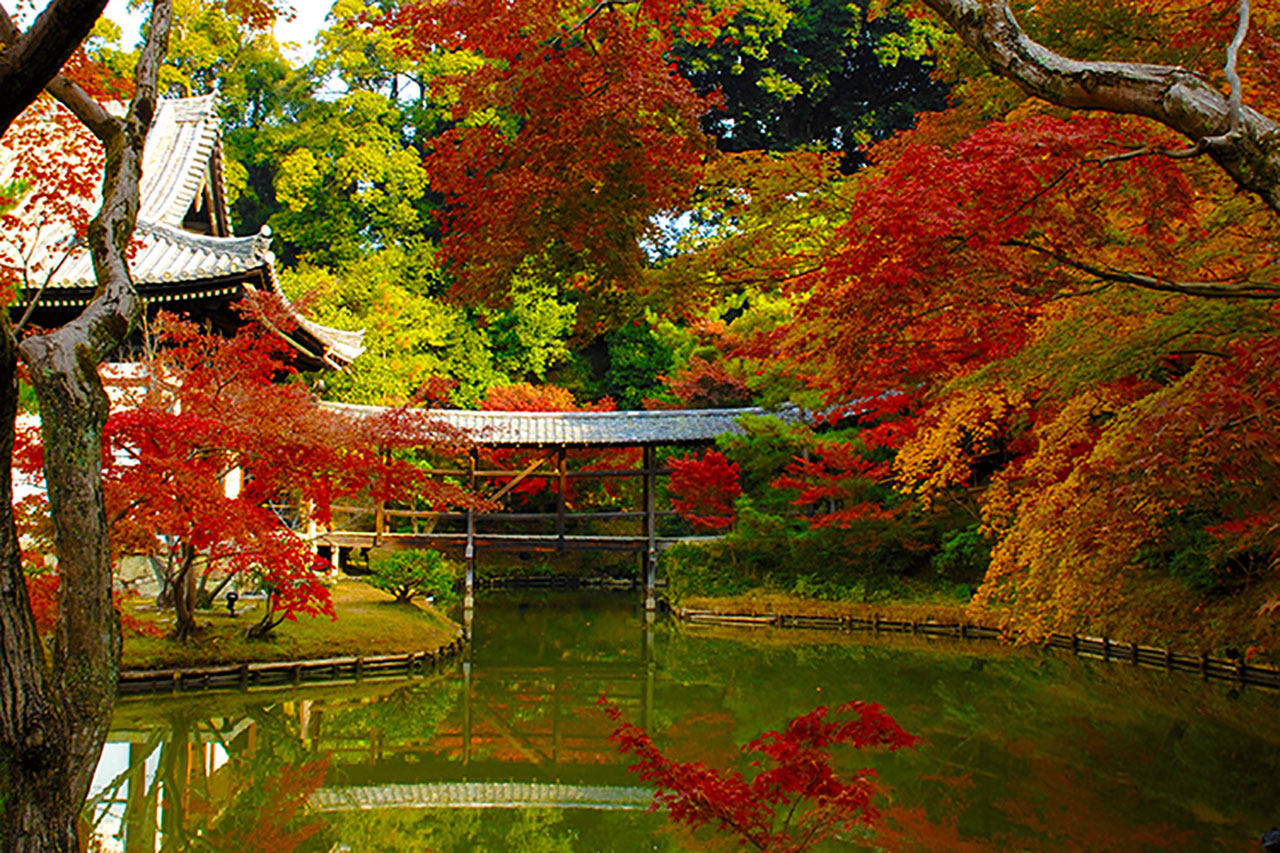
405 574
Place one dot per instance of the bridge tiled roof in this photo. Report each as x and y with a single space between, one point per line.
584 429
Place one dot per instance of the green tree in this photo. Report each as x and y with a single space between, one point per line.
405 574
411 337
803 73
637 360
345 181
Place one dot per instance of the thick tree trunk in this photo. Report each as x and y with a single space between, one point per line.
1247 147
183 588
54 717
30 60
38 809
73 412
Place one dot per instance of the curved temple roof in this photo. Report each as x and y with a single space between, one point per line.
167 254
182 173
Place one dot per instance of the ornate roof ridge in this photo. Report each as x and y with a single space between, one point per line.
253 245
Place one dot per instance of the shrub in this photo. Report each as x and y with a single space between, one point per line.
963 555
405 574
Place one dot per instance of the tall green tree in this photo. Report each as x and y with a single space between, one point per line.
806 73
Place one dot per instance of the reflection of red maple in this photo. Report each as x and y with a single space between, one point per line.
278 824
793 805
701 737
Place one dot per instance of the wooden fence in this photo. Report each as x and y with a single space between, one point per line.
244 675
1101 648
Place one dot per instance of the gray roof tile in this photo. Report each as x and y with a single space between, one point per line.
582 429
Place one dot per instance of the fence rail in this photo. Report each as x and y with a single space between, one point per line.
243 675
1101 648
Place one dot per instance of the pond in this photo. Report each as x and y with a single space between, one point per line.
505 748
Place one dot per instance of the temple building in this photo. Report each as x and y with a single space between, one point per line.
186 260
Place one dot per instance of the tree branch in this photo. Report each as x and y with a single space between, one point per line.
90 113
31 59
600 7
1211 289
1176 97
1236 102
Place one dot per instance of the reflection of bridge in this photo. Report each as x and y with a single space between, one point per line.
481 795
527 724
548 437
519 731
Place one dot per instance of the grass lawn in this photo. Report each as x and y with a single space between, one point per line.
369 622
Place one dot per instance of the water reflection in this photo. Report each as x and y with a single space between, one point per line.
505 750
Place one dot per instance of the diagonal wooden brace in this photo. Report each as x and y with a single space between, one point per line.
529 469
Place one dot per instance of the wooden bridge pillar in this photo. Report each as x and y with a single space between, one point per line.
650 567
562 483
469 593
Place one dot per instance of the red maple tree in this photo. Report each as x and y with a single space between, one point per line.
793 804
573 129
209 449
703 489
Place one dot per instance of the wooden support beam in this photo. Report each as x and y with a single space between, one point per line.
529 469
589 474
561 470
380 512
606 515
650 530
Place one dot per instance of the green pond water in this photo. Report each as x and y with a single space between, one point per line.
505 749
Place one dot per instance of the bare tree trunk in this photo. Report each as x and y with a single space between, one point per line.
30 60
54 716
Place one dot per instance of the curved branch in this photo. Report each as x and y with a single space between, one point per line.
1236 102
90 113
1245 289
73 410
29 60
1176 97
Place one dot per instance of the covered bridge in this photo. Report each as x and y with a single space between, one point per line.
548 439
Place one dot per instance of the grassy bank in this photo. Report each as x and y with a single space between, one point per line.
941 607
1159 614
369 622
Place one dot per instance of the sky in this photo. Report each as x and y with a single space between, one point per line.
307 22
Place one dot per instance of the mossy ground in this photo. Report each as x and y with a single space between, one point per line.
369 622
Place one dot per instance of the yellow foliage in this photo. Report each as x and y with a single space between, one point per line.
966 428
